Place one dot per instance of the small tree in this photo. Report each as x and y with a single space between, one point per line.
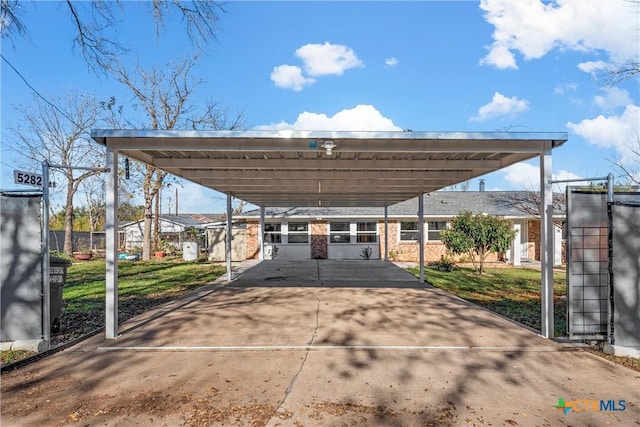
477 236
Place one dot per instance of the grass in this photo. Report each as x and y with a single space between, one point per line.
10 356
511 292
85 286
141 286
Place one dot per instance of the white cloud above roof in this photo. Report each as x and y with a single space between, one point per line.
359 118
613 97
500 106
327 58
290 77
620 132
533 28
565 88
524 176
391 62
317 60
500 57
592 67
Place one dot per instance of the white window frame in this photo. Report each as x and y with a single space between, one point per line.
400 231
290 233
347 233
367 233
272 233
428 229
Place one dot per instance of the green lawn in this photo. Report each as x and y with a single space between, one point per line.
157 279
511 292
141 286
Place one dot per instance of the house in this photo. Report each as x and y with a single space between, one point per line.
171 229
357 233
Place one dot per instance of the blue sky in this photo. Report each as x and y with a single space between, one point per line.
426 66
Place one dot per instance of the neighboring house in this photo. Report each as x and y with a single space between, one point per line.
356 233
171 229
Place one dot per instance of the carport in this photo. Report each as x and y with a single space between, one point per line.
322 168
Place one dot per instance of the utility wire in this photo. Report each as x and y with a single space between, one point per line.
52 105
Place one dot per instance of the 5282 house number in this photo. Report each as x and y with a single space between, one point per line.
27 178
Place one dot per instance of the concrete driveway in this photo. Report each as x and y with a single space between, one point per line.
316 343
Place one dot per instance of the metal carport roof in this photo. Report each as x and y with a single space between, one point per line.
322 168
297 168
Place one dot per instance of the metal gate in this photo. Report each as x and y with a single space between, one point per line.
603 253
588 264
626 274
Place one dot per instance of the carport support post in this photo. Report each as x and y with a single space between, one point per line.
516 245
610 307
421 234
111 235
228 245
261 233
386 234
546 243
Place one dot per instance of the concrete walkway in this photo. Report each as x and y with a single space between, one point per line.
319 343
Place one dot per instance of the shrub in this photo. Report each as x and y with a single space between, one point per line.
477 236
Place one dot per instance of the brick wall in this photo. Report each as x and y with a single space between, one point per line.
408 252
533 244
253 246
319 240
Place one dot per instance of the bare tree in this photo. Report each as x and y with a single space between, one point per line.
629 165
461 186
619 71
529 202
166 96
10 22
95 24
47 134
95 192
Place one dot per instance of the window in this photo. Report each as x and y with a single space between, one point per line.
409 231
435 227
367 232
273 232
339 232
298 232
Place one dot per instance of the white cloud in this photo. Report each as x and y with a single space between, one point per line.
359 118
613 97
317 60
592 67
391 62
290 77
566 88
500 57
619 132
327 58
534 27
524 176
501 106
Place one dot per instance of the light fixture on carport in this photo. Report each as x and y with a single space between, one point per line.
328 147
